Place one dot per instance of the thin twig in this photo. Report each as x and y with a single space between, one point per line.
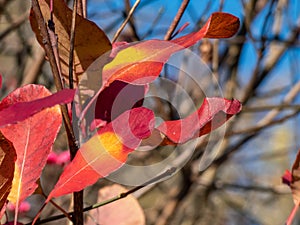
47 44
176 20
259 76
84 8
158 178
56 74
131 21
154 23
78 6
17 23
72 41
52 61
126 20
77 196
31 74
252 109
260 126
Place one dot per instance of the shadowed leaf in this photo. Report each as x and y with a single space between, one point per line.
7 166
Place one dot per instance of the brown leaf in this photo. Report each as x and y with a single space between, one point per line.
90 41
7 167
222 25
126 211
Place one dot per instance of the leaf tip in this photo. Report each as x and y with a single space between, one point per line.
222 25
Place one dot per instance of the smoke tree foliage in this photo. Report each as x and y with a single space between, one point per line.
113 102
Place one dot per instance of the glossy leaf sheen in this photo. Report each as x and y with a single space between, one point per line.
106 151
90 41
32 138
10 108
128 210
7 166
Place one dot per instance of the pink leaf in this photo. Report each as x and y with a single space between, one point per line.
287 178
12 110
128 210
32 138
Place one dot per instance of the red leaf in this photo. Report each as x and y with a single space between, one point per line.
32 138
13 223
7 166
128 210
212 114
117 98
106 151
287 178
11 107
219 25
141 63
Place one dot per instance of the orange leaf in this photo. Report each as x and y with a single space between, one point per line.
106 151
7 166
90 41
128 210
32 138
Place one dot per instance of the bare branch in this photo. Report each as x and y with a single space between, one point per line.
176 20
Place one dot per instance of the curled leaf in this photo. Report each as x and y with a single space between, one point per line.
141 63
213 113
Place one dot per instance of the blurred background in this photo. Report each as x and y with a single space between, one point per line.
260 66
